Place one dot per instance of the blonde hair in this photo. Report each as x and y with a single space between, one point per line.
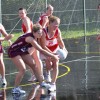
49 6
36 27
53 19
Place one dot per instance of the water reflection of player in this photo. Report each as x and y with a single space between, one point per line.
3 94
18 96
38 93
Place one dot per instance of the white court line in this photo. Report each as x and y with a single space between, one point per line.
82 59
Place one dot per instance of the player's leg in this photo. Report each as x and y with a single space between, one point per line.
54 74
47 71
38 61
18 61
32 78
38 73
2 70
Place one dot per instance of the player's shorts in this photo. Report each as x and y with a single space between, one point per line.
1 49
13 53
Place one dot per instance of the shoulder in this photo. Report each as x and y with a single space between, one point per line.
28 35
45 17
58 31
29 39
26 19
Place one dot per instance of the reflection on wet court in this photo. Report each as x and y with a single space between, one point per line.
33 90
79 76
35 93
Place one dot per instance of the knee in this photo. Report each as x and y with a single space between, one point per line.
23 70
33 66
48 67
55 65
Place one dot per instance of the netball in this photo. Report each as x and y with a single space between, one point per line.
62 54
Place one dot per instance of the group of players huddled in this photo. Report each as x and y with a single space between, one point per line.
41 41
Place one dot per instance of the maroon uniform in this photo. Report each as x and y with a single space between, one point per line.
20 46
1 48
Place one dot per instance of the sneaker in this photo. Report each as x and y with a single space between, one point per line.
18 91
32 79
52 87
48 78
4 82
18 96
45 85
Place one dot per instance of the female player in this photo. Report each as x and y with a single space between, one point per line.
2 66
51 41
43 19
19 54
27 25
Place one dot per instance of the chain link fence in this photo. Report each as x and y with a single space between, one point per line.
76 15
71 13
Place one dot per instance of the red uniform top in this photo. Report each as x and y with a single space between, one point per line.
52 42
41 18
24 27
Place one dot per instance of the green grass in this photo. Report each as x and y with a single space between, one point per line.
65 35
77 34
16 35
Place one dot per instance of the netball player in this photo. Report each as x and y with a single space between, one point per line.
51 41
19 54
27 25
2 66
43 19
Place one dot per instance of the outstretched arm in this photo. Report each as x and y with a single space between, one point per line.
39 48
5 34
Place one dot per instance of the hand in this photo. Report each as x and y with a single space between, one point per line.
55 57
10 43
9 37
